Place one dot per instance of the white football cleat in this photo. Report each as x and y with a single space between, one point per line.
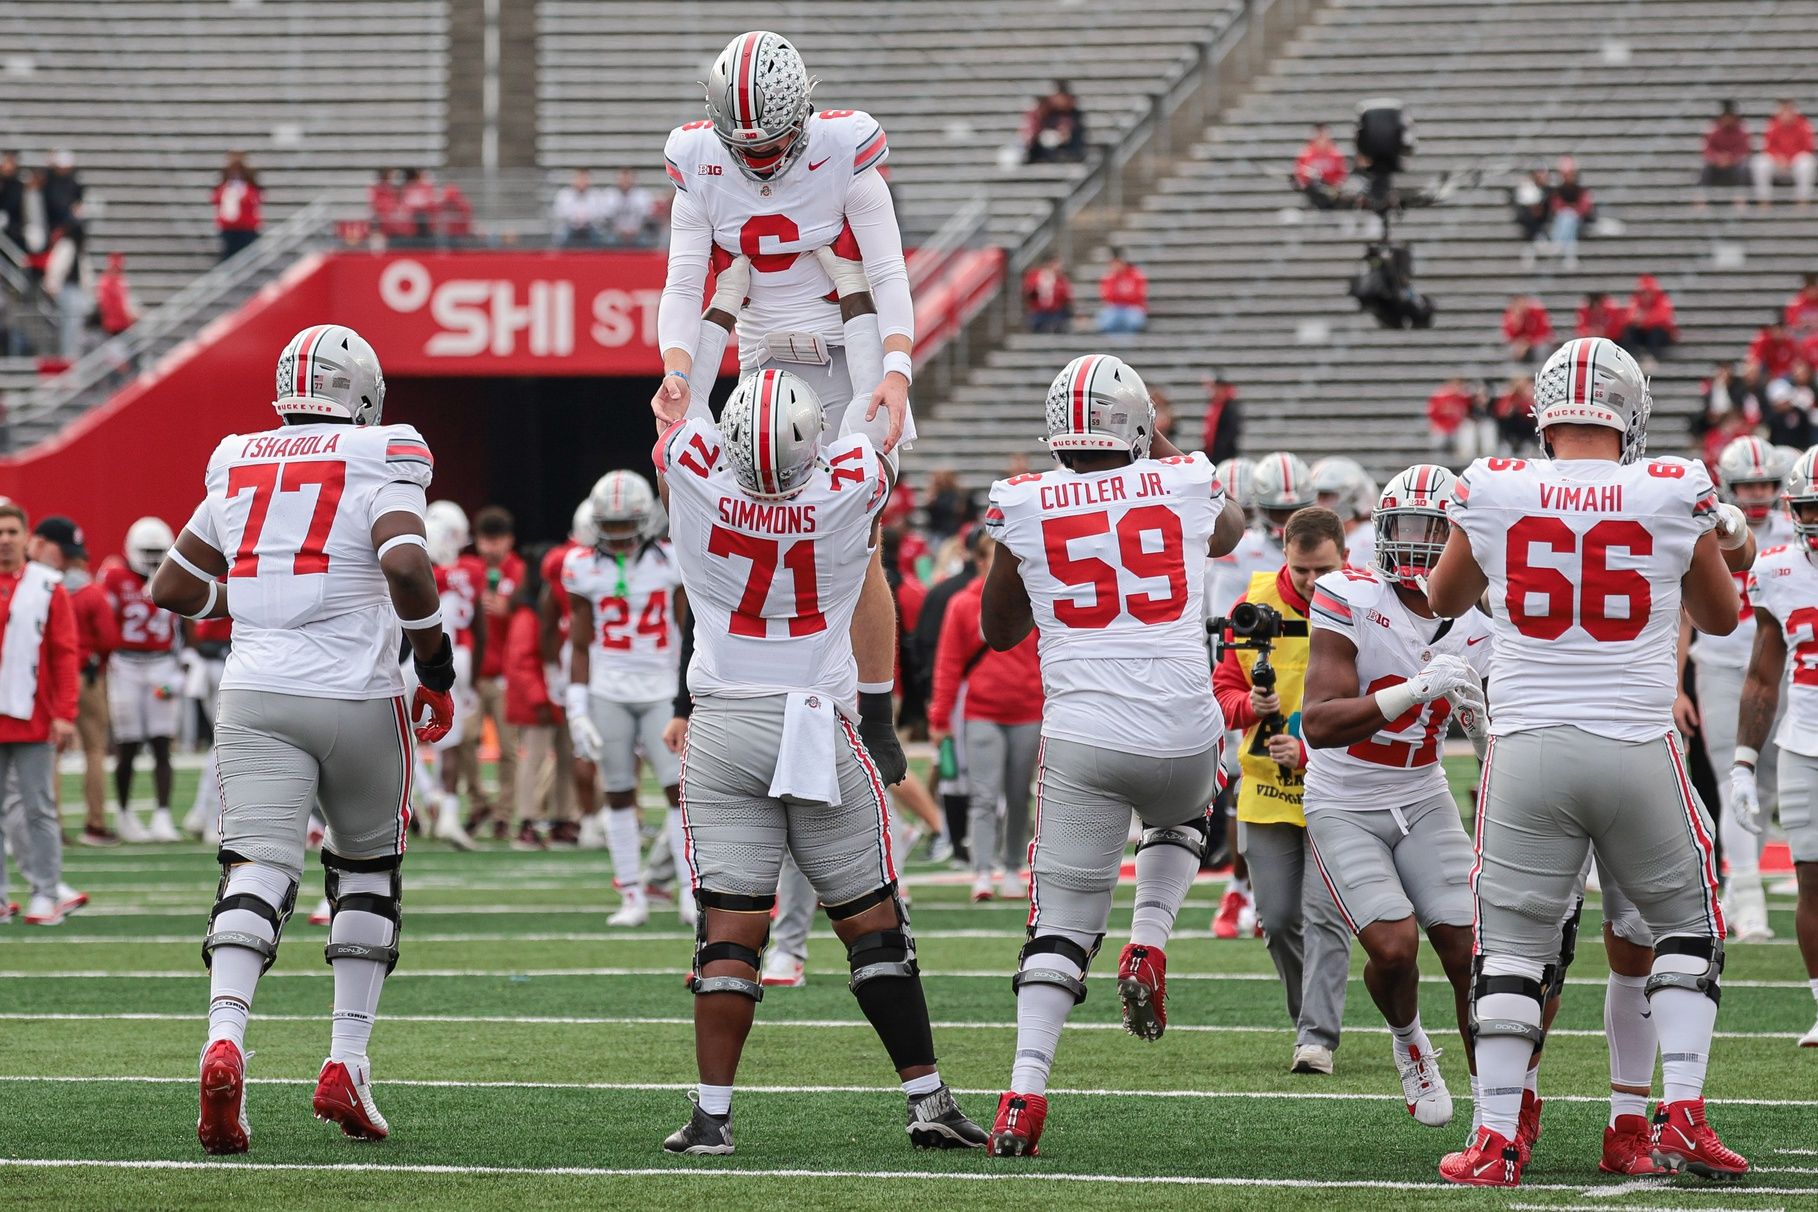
448 827
69 900
1013 887
593 831
1746 907
344 1097
163 829
42 911
634 912
322 914
196 821
981 889
1810 1038
685 908
129 828
1429 1102
784 971
1311 1058
1248 924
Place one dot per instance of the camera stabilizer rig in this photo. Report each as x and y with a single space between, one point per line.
1254 627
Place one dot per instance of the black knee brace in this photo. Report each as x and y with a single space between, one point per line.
872 899
1535 990
706 952
1568 948
887 982
389 906
1192 836
277 916
1709 950
1055 944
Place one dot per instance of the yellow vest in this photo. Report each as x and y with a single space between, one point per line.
1265 797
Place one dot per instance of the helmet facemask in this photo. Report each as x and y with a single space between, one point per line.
1409 542
759 99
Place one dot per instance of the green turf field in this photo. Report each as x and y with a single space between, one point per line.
529 1058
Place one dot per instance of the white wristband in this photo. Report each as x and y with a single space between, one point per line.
433 619
403 540
1746 756
901 363
577 701
1394 701
214 595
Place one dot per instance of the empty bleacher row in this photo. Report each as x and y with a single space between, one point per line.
1245 277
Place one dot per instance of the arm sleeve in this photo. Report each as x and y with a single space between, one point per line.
873 219
399 497
690 246
202 524
60 671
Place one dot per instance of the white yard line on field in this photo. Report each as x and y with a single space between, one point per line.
573 1020
693 1172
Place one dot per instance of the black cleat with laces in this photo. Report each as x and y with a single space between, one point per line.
936 1122
703 1133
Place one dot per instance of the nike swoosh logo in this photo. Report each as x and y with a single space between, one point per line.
816 164
1480 639
1647 1014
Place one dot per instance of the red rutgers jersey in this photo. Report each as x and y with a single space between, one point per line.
143 626
1585 559
460 585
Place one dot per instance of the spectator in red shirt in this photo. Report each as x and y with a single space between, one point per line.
1573 210
114 300
493 538
1652 328
1048 297
1001 732
1457 421
1514 414
57 543
1123 295
1771 355
384 199
1527 328
1802 310
37 718
1224 419
418 204
237 200
531 710
1726 153
456 217
1786 155
1321 168
1599 317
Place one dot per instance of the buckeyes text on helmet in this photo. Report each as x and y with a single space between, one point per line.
1594 381
1099 403
758 98
329 372
772 425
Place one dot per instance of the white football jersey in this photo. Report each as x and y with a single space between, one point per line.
1115 566
1228 576
1784 584
779 223
292 509
637 641
1584 559
1399 766
1734 649
772 585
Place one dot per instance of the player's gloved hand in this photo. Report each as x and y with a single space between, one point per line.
848 276
581 731
731 287
877 728
432 708
1472 714
1442 675
1745 798
1732 526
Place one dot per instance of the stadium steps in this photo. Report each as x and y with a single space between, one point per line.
1246 278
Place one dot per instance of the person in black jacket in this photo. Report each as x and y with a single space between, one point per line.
12 199
918 657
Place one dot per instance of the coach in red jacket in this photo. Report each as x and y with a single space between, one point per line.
37 708
1002 734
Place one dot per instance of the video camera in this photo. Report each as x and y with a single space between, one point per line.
1384 283
1254 627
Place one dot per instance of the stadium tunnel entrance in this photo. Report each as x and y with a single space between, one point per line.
533 445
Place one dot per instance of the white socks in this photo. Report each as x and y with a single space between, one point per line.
715 1100
1041 1012
1684 1019
1630 1030
1164 876
1503 1060
1411 1037
234 971
625 847
915 1087
1476 1104
358 981
1814 984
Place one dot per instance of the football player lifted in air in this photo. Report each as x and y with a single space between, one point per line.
1587 556
311 539
1784 588
1384 679
1105 557
626 599
774 534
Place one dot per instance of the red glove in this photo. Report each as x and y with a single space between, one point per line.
432 711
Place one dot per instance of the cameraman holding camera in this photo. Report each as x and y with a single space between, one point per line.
1258 683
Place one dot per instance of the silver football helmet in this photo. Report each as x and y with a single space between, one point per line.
1749 473
1594 381
1098 402
328 370
445 527
1801 491
583 529
622 503
1283 485
1343 486
758 98
148 541
1411 523
1239 478
772 426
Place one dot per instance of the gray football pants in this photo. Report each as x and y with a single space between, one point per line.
277 755
32 827
1549 795
1000 763
1305 933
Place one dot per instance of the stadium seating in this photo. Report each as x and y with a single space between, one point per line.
318 95
1246 277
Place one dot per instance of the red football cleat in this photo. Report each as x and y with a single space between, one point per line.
1626 1148
1683 1140
222 1126
344 1097
1019 1125
1142 986
1490 1160
1224 923
1527 1128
